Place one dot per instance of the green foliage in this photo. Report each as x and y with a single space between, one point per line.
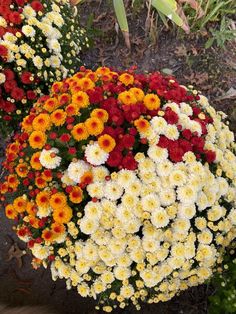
221 35
224 299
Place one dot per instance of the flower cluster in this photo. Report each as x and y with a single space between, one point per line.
39 43
124 184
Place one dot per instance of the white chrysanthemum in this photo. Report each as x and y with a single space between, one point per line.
122 273
126 177
164 168
67 180
93 210
10 37
132 226
28 31
43 211
88 225
95 155
172 132
3 22
49 158
135 187
113 191
96 189
150 277
195 126
177 178
124 213
159 125
54 45
127 291
38 62
157 154
205 237
186 211
186 109
159 218
173 106
28 11
150 202
145 165
215 213
2 78
186 194
90 251
150 244
100 173
77 169
39 251
55 61
117 246
167 196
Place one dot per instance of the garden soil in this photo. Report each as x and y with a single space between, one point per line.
213 71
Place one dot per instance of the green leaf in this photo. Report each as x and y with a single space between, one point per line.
168 8
119 8
209 43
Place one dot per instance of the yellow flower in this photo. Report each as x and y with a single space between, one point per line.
79 132
126 79
100 114
138 93
81 99
94 126
42 122
37 139
10 211
58 117
58 200
34 161
127 98
62 215
106 142
19 204
152 102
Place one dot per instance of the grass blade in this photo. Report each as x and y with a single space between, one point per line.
119 8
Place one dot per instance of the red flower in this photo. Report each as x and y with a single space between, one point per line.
26 77
3 51
65 137
164 142
115 158
187 134
127 141
17 93
9 74
170 116
31 95
15 18
210 156
176 153
37 6
129 162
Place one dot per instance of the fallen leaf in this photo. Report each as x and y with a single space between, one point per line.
231 93
17 253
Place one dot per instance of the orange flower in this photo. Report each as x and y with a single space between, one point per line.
37 139
81 99
103 71
72 110
58 200
152 102
51 104
64 99
30 208
127 98
92 76
56 87
85 84
94 126
58 117
10 211
27 124
100 114
58 229
62 215
142 125
48 235
76 195
79 132
106 142
12 181
86 178
22 170
40 182
43 198
138 93
20 204
42 122
3 188
126 79
47 175
34 161
33 221
13 148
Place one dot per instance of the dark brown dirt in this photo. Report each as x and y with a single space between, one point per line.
211 71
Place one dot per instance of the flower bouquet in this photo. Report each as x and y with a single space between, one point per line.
124 185
39 43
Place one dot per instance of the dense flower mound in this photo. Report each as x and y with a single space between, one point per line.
39 44
124 184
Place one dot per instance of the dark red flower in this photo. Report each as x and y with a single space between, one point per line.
3 51
170 116
15 18
127 141
129 162
210 156
115 158
65 137
17 93
26 77
37 5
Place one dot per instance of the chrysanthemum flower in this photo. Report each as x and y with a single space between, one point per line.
126 79
152 101
30 208
79 132
85 84
106 142
81 99
42 122
43 198
100 114
72 110
77 169
40 182
138 93
51 104
94 126
49 158
58 117
10 211
95 155
142 125
12 181
127 98
27 124
20 204
48 235
58 200
76 195
87 178
103 71
58 229
34 161
62 215
37 139
22 170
